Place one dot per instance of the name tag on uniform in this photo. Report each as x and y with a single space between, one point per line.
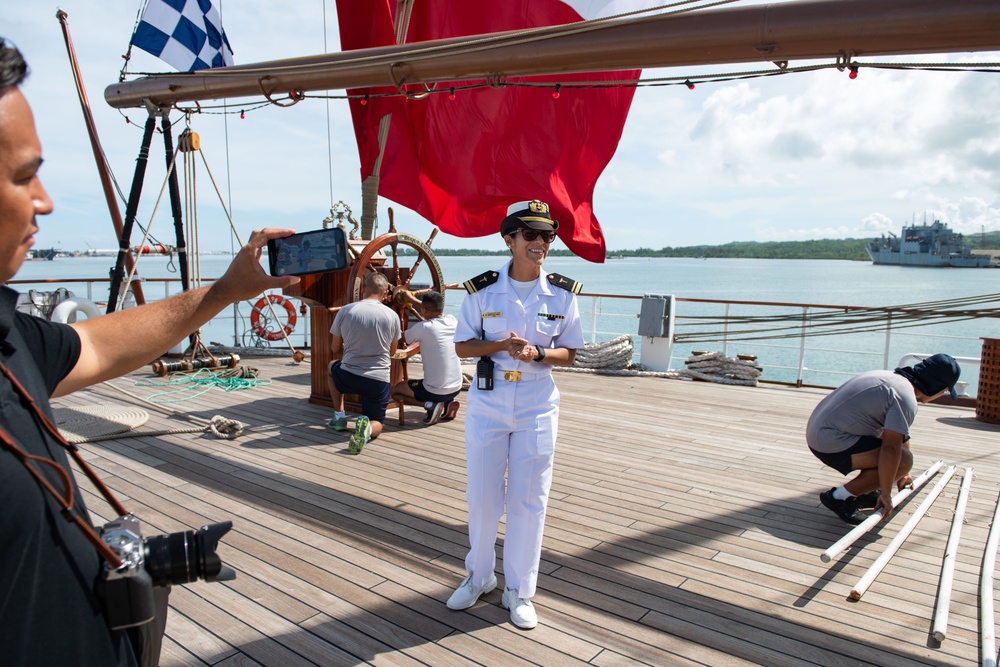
496 313
552 316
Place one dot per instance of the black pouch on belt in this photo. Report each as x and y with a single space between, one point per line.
484 374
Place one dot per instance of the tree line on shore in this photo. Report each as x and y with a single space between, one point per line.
849 249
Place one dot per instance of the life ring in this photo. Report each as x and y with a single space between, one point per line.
67 310
258 327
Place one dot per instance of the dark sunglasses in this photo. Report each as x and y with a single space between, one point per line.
532 234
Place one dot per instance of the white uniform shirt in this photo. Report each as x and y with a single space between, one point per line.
442 367
548 317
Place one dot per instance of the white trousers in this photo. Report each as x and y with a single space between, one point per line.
510 430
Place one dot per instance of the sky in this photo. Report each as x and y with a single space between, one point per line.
789 158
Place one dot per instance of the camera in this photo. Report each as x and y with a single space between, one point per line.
160 560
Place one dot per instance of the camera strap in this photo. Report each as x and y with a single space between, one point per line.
68 511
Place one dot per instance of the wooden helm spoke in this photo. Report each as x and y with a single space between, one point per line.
395 264
377 255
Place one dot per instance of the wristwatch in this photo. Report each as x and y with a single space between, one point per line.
541 353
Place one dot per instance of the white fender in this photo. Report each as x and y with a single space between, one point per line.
67 310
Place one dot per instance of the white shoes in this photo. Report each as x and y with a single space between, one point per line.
466 594
522 612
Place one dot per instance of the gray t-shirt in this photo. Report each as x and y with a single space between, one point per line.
368 328
864 405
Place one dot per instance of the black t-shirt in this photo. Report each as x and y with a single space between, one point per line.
50 612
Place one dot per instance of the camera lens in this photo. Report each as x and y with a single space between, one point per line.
180 558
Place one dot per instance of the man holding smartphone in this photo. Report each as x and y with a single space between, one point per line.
51 608
363 337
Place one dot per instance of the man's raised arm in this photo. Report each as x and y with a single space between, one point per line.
120 342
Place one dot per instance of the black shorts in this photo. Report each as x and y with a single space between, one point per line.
841 461
421 394
374 393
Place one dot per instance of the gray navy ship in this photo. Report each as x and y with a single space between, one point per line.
926 245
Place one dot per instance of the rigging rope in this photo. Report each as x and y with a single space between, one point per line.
831 321
201 381
220 427
192 228
148 230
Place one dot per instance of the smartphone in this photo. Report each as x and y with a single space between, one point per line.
308 252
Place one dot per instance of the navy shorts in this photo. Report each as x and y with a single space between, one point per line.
374 393
841 461
421 394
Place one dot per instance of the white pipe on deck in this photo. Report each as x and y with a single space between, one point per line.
866 580
987 631
940 627
875 517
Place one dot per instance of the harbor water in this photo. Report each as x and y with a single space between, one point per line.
829 360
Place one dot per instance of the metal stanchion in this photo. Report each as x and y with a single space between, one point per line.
987 631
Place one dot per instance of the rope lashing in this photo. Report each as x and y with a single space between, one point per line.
615 353
226 429
191 385
614 357
219 426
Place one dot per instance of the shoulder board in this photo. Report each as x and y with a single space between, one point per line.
565 283
482 280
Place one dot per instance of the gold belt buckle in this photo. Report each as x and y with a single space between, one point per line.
512 376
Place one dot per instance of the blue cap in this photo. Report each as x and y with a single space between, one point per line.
933 374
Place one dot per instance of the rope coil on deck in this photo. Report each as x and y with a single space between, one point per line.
716 367
93 423
226 429
113 422
616 353
614 357
230 379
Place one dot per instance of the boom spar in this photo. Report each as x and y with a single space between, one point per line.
804 30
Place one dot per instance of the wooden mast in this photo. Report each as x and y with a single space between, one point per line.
95 143
370 183
780 32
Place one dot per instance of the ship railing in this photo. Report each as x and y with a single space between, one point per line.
790 346
230 328
780 335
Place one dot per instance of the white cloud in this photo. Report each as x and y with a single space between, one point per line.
795 156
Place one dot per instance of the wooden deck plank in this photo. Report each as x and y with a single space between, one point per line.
690 537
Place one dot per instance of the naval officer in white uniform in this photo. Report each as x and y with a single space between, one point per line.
521 322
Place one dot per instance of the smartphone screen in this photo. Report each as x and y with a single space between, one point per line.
308 252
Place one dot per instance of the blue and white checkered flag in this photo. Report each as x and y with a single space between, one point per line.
184 33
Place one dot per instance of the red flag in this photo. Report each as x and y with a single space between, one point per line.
461 162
